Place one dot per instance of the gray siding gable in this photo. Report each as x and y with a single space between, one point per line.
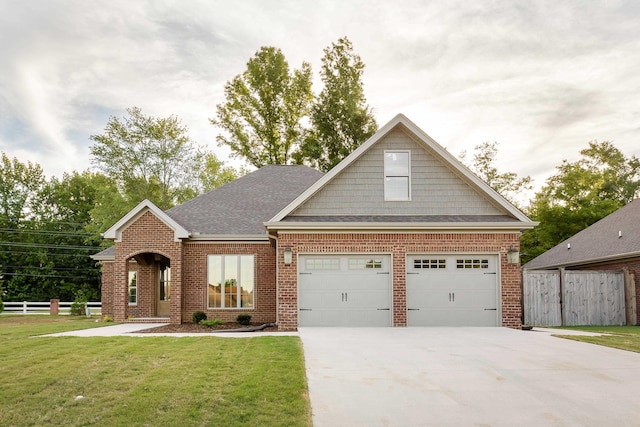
436 188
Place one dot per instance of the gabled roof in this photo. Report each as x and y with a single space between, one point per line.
240 208
616 236
520 220
115 232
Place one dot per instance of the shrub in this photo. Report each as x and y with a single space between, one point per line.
199 316
79 305
1 306
244 319
107 319
211 323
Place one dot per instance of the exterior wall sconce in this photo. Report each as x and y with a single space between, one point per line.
288 256
513 256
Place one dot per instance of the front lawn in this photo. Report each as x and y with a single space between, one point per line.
622 337
149 381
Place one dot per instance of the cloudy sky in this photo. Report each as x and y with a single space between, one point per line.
542 78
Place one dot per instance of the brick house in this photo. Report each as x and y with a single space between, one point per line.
399 233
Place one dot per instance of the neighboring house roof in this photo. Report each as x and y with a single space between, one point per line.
616 236
241 207
292 215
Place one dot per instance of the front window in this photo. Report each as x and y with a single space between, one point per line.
165 282
397 176
133 288
231 281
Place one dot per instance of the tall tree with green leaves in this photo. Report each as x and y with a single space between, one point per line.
579 194
263 109
507 184
148 157
44 246
341 120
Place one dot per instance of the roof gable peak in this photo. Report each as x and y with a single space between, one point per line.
420 137
115 231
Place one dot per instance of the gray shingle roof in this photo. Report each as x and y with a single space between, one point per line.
598 242
242 206
402 218
105 255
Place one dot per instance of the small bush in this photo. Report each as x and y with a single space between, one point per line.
1 306
211 323
244 319
79 305
107 319
199 316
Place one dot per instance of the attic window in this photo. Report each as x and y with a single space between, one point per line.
397 176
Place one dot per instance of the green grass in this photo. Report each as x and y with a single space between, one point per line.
621 337
149 381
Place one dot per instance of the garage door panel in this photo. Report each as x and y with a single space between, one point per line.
452 290
344 290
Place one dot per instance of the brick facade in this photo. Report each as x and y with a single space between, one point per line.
632 264
147 239
195 280
399 245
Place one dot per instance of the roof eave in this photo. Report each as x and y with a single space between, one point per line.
404 226
228 237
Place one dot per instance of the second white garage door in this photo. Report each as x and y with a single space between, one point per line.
344 290
452 290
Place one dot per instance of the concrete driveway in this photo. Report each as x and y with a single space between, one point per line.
466 377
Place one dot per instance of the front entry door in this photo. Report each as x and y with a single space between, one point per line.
163 290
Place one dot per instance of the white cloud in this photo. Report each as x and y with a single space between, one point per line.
542 78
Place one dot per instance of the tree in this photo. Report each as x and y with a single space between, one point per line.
341 119
148 158
580 194
507 184
45 247
263 109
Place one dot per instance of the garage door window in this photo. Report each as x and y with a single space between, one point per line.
429 263
364 264
322 264
472 263
231 280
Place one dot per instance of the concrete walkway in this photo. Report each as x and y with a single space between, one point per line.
131 329
466 377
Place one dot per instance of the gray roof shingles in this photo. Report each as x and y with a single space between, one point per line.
242 206
597 242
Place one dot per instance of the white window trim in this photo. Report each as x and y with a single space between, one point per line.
253 307
384 172
129 288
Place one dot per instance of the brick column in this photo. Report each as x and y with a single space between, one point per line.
54 307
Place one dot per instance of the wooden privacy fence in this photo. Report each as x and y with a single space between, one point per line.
573 297
49 307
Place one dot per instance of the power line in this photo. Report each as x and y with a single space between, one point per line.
50 276
45 246
48 254
52 232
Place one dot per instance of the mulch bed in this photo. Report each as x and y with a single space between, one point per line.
195 328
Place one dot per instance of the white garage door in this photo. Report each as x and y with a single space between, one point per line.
452 290
344 290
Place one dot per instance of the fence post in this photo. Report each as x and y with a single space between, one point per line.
630 297
54 307
24 307
562 315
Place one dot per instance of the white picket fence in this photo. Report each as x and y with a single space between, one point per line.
29 307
